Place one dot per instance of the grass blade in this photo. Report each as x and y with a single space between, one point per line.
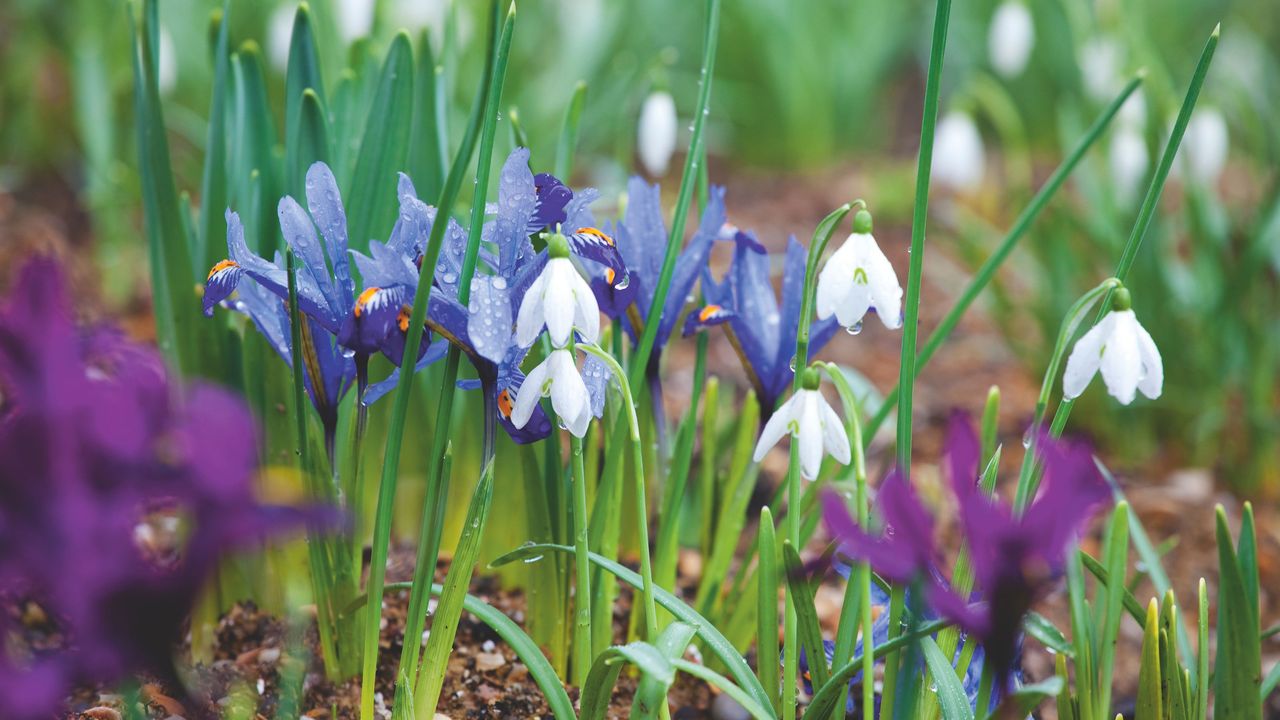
1238 666
806 615
1117 547
950 693
706 632
767 614
569 132
651 692
1149 706
384 147
711 677
210 241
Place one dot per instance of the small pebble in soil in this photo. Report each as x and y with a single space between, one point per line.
726 708
487 646
487 661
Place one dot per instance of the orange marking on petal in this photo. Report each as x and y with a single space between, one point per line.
504 403
609 275
597 234
403 318
364 299
222 265
707 312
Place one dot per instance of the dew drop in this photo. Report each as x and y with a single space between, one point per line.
499 283
348 353
854 329
792 363
623 283
1028 436
449 278
561 424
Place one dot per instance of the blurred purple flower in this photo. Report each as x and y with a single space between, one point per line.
94 441
1016 558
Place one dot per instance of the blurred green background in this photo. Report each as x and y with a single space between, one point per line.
803 90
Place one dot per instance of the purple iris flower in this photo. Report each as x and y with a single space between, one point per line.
761 330
1016 559
96 445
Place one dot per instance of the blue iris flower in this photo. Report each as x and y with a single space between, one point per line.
762 331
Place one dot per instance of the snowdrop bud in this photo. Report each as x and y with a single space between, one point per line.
1128 160
280 37
355 19
167 71
1204 147
657 136
1011 38
958 153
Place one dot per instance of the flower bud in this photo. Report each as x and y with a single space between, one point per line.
1011 37
656 140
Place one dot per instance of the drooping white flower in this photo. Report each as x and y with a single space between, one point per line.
280 36
557 376
355 19
858 277
1203 153
1123 350
810 421
1128 161
656 140
560 300
1011 37
958 153
167 70
1100 67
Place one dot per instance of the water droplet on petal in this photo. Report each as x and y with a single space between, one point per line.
792 364
1028 436
623 283
499 283
854 329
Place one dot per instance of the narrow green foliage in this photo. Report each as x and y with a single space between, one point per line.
806 614
427 139
306 141
651 692
303 73
253 148
1202 652
210 241
714 640
1043 630
444 626
1117 555
569 132
711 677
1238 666
1066 704
383 149
951 695
767 614
1150 705
1029 697
582 592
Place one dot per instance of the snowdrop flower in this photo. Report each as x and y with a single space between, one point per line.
560 299
1122 350
557 376
1099 61
808 418
657 136
167 71
858 277
1127 161
1204 149
1011 37
958 153
355 19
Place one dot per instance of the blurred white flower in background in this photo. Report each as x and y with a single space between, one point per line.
1011 38
355 18
1203 153
280 36
1100 67
958 154
656 140
1128 160
167 72
415 15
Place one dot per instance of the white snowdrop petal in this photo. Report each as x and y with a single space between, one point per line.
558 303
809 435
1121 364
775 428
1085 358
834 280
568 391
586 311
529 318
1152 381
529 394
853 307
958 153
834 437
656 139
882 285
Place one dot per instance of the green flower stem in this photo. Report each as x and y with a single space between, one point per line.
582 560
1147 212
862 584
1027 481
395 432
317 553
817 245
640 505
644 349
988 270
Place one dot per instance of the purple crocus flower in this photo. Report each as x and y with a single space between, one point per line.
94 442
1016 558
762 330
